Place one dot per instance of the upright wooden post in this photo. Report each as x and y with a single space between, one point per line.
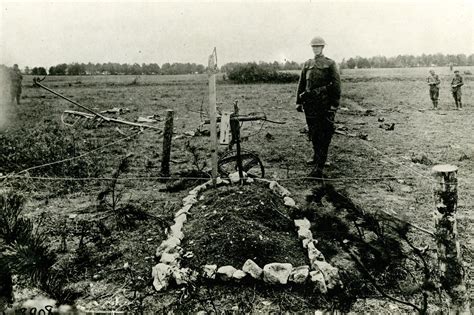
212 67
449 251
167 137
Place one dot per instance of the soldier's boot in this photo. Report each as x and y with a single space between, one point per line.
457 104
434 104
460 105
317 173
311 161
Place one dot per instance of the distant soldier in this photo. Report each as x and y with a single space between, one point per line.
456 84
433 82
15 87
318 94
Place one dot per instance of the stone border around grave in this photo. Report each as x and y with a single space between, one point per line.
323 275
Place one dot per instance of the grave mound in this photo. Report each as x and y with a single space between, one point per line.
234 223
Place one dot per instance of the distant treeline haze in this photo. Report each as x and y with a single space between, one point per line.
400 61
404 61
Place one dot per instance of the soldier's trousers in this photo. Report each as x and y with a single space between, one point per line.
15 92
457 94
321 129
434 93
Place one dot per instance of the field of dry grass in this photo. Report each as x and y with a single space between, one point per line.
359 167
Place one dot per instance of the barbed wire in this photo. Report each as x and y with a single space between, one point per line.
71 158
157 178
19 175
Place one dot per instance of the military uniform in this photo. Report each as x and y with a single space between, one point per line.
434 82
319 91
456 84
15 88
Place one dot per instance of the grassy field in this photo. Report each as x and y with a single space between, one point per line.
33 134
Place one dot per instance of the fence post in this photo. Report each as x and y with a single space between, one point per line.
449 251
167 137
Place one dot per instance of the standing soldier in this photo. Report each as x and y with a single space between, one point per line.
318 94
456 84
15 88
433 82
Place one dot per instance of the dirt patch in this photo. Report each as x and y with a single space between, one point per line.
232 224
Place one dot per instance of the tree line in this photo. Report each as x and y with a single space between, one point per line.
145 69
407 61
117 68
400 61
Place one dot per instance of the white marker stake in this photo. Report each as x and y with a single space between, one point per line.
212 113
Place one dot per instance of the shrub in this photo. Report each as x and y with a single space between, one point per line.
47 142
24 252
254 73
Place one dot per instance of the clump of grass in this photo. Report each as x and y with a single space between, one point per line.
24 251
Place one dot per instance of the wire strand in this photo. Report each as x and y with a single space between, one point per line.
71 158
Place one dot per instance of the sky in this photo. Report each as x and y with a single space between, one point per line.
46 33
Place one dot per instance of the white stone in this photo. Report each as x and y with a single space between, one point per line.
330 273
161 275
289 202
220 181
184 210
306 241
196 190
305 234
249 180
168 245
318 279
302 223
189 200
252 269
299 274
235 178
225 272
314 254
277 273
170 259
279 189
176 230
209 271
181 219
239 275
177 234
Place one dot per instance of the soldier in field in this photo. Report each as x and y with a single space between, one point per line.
318 94
433 81
15 87
456 84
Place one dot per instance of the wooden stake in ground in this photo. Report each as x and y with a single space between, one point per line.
212 68
167 137
449 251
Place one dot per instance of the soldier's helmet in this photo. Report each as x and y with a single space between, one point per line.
318 41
